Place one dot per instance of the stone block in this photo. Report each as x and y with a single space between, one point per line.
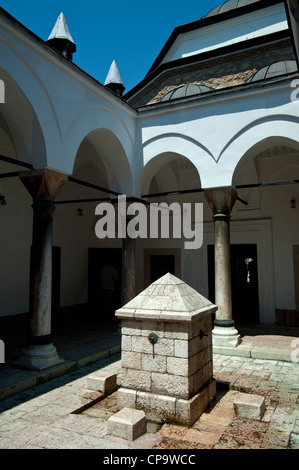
158 408
126 398
171 385
149 327
141 344
197 345
207 372
164 347
178 331
131 359
249 406
178 366
126 343
188 411
181 348
128 424
101 382
196 381
136 379
152 364
131 327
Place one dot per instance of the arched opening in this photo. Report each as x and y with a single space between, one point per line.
100 172
22 147
267 179
171 179
19 121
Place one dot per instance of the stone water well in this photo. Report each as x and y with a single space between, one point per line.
167 362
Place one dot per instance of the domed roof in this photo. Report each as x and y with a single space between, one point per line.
185 90
283 67
229 5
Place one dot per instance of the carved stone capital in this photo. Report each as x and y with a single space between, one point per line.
44 183
221 200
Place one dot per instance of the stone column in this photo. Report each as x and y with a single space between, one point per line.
128 267
222 201
43 185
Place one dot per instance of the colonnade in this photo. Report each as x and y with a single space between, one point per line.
44 185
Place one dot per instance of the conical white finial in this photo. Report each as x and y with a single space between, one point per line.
61 29
113 75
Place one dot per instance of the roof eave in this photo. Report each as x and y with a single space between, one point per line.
207 21
213 54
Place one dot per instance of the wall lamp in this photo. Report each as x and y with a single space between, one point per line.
2 200
293 204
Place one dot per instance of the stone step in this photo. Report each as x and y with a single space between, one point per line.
249 406
102 382
128 424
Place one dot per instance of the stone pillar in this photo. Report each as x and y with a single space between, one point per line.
128 267
43 185
221 201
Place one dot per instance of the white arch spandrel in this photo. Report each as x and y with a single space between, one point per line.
110 138
158 151
280 130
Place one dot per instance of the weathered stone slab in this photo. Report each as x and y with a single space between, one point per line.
249 406
102 382
128 424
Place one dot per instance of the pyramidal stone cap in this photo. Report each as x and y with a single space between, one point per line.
167 299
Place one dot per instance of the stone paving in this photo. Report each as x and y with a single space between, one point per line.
58 414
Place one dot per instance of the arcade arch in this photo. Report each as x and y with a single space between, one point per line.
102 163
168 172
273 226
22 146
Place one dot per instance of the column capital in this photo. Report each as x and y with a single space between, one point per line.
221 200
43 184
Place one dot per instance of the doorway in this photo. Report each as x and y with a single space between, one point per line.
244 279
160 261
160 265
98 258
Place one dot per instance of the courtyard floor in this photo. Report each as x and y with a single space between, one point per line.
56 410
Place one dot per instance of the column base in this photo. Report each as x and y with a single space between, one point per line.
226 336
39 357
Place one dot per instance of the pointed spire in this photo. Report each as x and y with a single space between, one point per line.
113 80
61 29
61 39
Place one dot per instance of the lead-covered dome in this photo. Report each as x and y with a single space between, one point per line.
283 67
229 5
186 90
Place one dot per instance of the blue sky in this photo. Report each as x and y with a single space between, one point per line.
131 32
